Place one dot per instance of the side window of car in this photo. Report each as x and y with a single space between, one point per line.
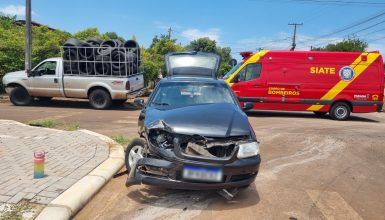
249 72
47 68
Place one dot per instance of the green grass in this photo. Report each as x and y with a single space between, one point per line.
121 139
71 126
47 123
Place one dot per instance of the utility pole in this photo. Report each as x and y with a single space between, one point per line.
294 34
28 37
169 33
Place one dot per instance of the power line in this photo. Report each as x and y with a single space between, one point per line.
358 23
364 29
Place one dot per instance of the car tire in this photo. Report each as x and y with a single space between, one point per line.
135 145
119 102
19 96
100 99
320 113
340 111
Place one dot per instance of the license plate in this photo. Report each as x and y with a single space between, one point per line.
212 174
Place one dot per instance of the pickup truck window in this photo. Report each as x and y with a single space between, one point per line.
47 68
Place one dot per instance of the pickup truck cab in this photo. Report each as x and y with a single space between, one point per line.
48 79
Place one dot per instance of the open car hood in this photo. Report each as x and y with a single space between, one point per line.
192 64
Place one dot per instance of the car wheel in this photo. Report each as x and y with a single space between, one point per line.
340 111
320 113
135 150
100 99
20 96
119 102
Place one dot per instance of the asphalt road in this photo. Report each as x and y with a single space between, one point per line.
312 167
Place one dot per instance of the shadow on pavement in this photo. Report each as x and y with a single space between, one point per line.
287 114
80 104
194 200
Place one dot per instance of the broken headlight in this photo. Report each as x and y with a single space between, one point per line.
248 150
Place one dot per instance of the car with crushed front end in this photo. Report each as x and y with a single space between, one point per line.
193 132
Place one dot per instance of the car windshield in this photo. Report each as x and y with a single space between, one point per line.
181 94
232 70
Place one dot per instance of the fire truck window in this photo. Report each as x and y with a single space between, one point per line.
253 71
249 72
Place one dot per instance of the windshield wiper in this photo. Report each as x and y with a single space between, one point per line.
157 103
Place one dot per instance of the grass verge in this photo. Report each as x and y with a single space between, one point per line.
47 123
121 139
71 126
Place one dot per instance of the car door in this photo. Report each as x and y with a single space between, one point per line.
45 81
249 85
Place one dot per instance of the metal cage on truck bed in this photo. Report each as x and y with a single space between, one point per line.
101 61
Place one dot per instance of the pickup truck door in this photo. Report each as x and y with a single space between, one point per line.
45 81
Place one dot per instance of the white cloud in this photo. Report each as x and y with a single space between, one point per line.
193 34
18 10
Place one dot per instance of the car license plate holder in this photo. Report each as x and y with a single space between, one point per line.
200 173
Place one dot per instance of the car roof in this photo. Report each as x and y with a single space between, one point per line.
192 79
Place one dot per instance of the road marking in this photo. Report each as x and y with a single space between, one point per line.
332 205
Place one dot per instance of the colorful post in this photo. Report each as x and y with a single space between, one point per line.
38 171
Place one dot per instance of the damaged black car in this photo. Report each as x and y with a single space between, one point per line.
194 135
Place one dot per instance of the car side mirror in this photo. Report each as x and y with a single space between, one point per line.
247 106
31 73
139 102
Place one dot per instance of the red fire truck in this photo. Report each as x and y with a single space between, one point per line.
337 83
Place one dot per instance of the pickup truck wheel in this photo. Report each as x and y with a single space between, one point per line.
135 150
100 99
20 96
340 111
320 113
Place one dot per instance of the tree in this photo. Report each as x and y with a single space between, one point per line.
347 45
205 44
89 33
114 35
153 57
46 43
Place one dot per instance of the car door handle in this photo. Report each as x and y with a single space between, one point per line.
55 80
257 84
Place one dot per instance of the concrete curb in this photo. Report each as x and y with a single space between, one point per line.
67 204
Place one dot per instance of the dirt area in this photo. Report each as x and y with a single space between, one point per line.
312 167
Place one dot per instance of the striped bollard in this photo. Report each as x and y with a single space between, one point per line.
38 168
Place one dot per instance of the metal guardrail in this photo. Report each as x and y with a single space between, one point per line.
101 61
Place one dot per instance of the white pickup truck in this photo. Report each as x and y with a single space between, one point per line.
51 79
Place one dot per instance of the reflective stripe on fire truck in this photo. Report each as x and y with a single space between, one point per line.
253 59
342 84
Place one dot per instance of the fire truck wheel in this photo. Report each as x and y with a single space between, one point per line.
20 96
340 111
320 113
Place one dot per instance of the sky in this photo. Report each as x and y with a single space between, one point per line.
242 25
